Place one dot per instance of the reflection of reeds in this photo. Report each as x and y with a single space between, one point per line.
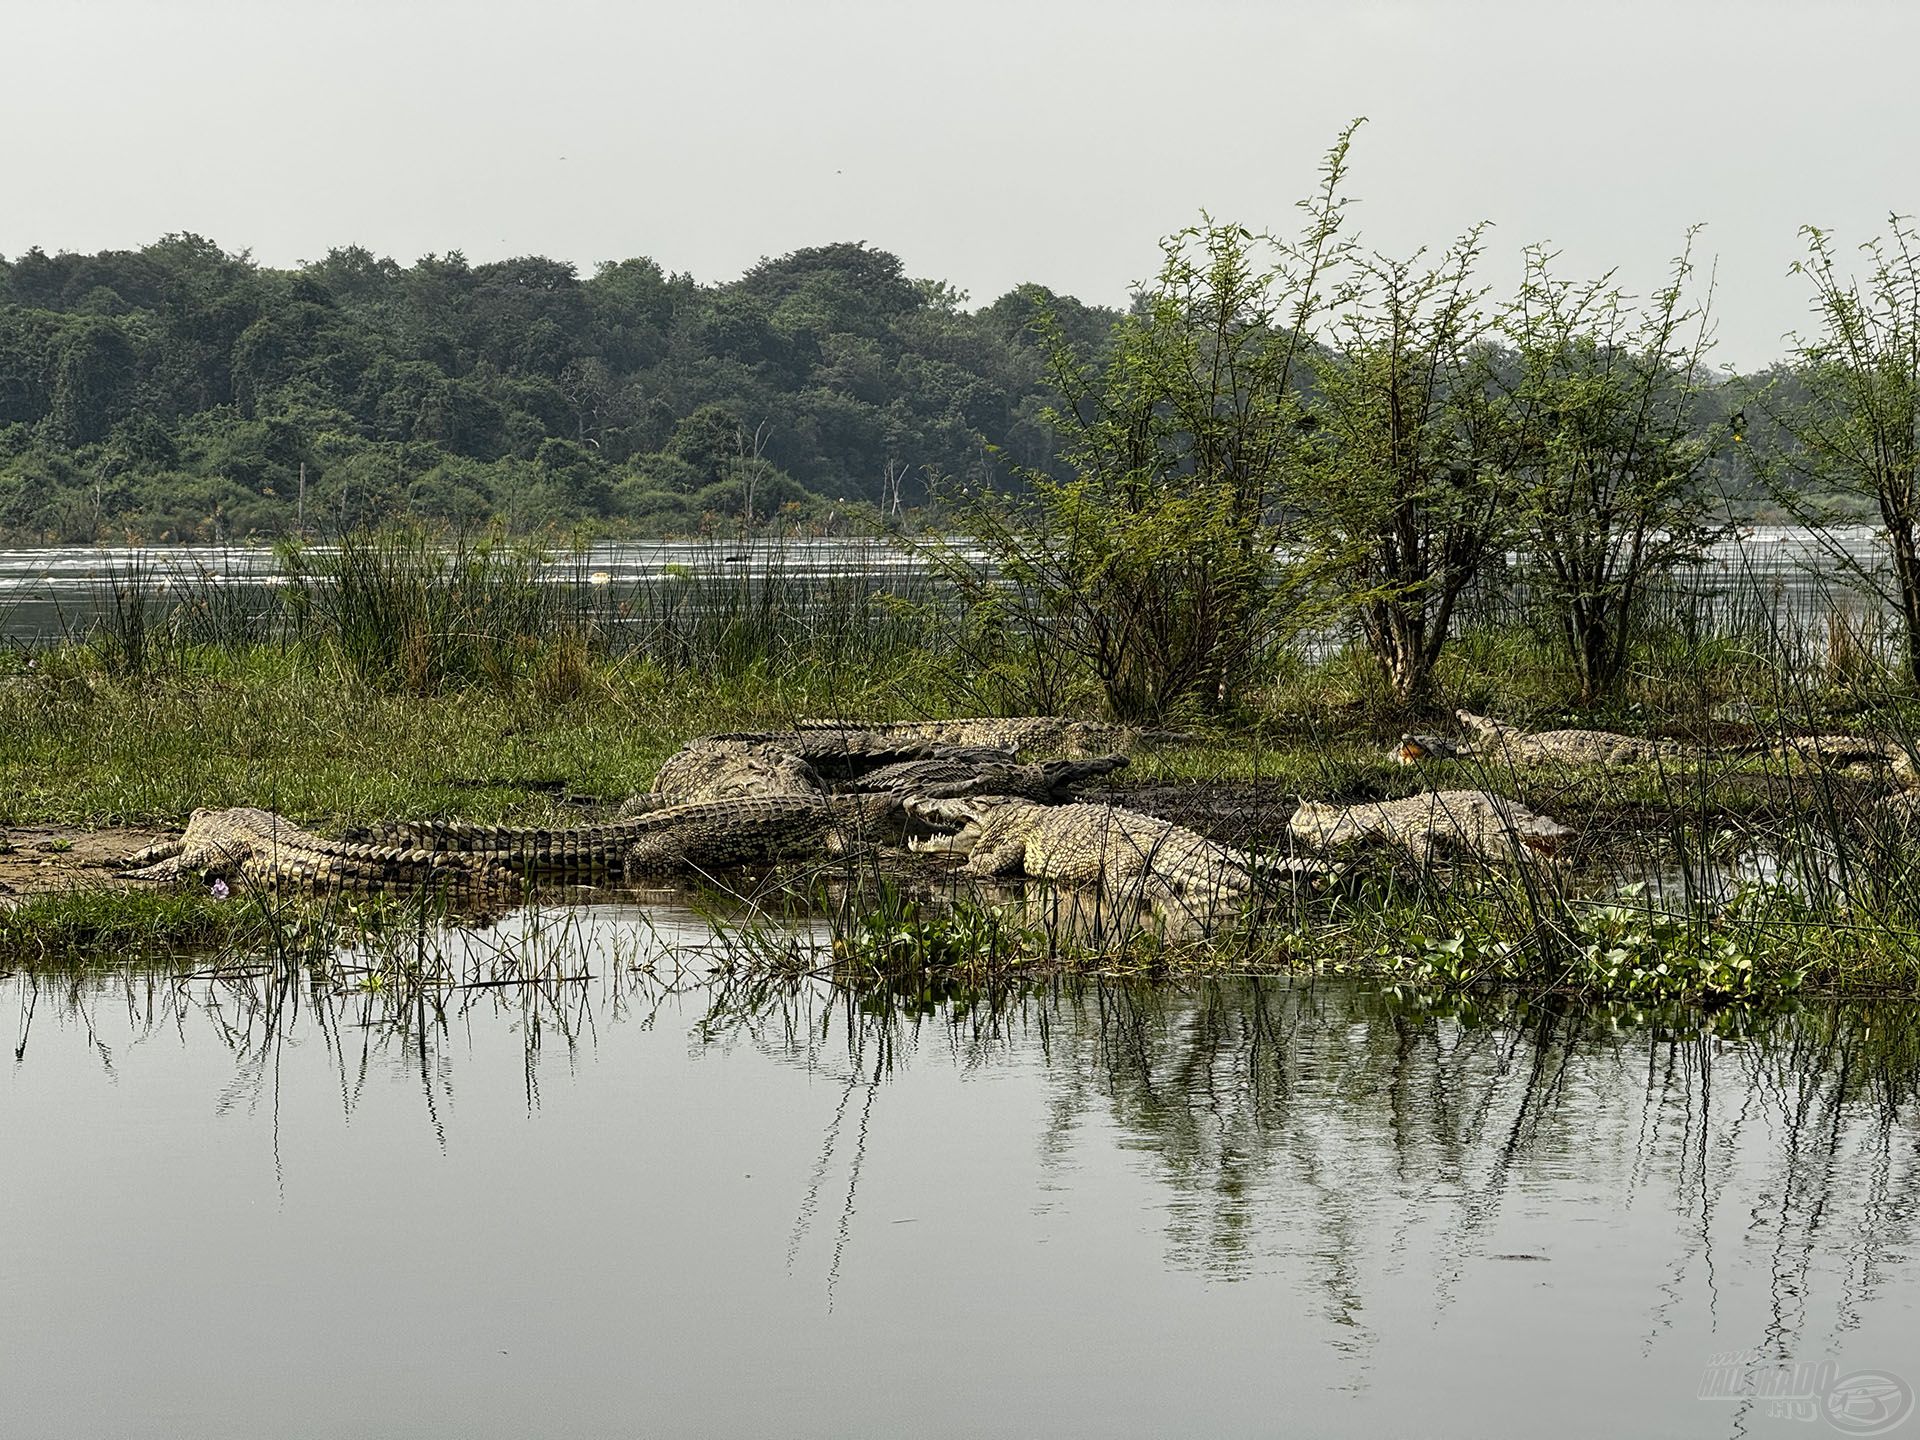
1786 1135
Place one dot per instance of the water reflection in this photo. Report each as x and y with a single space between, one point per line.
1433 1200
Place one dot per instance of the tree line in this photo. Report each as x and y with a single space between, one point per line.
180 392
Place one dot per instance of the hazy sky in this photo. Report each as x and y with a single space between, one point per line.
987 143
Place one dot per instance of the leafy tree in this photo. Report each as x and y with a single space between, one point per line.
1856 435
1401 495
837 370
93 381
29 342
1602 418
1155 567
833 288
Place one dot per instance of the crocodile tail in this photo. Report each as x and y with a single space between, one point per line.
459 835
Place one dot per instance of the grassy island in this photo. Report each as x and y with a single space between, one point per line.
399 679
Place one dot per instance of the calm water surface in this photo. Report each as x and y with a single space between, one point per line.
1783 572
615 1205
49 593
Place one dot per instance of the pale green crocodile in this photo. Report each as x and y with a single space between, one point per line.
262 848
1122 852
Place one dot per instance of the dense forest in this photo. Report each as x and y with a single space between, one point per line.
180 392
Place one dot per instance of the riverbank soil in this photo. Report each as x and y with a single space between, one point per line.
37 859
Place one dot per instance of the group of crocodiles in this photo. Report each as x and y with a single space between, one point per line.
820 789
956 787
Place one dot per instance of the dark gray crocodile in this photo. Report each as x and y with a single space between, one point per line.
262 848
840 754
820 762
987 772
708 835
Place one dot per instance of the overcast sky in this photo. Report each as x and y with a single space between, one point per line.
987 143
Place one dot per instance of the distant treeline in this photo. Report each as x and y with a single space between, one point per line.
179 392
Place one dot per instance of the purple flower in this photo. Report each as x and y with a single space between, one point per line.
219 890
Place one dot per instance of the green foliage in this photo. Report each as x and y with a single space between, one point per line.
1855 432
882 933
1600 420
1626 948
181 393
1154 597
1155 571
400 611
1639 952
86 923
1401 494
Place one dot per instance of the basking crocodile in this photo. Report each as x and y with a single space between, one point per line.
987 772
818 762
707 835
785 762
1851 753
1051 734
726 768
1490 826
1493 739
1414 748
1496 740
262 848
1122 852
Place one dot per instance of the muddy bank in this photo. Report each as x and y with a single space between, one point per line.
35 859
1251 814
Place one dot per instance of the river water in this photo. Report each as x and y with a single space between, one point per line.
617 1203
1780 575
56 592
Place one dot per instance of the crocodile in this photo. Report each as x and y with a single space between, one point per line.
1852 754
1497 740
266 849
1051 734
819 762
1120 851
987 772
842 754
1414 748
1490 826
726 768
706 835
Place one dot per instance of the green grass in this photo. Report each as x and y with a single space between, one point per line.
102 926
399 679
80 746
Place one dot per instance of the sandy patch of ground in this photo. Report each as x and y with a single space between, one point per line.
37 858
